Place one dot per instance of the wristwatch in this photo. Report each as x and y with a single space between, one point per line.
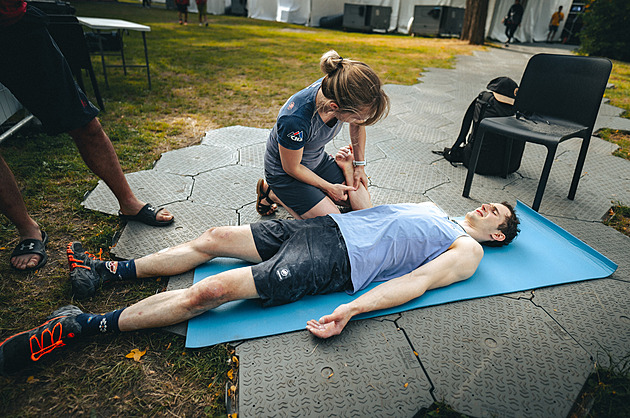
356 163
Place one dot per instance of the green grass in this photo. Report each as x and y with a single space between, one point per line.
237 71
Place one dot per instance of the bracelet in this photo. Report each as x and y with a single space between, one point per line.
356 163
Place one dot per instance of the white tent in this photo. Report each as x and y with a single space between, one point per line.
535 24
533 28
309 12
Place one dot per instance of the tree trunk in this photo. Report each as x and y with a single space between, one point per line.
474 27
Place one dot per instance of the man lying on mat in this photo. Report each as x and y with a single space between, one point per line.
411 248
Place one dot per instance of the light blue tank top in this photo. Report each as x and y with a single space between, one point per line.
299 126
389 241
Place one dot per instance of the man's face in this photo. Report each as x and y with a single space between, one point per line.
487 218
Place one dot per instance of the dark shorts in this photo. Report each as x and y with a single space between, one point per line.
182 8
302 197
35 71
553 28
307 257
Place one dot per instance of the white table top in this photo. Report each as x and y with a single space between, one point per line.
112 24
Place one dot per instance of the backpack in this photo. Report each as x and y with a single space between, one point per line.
493 148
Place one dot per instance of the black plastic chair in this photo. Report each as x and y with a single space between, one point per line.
68 35
558 99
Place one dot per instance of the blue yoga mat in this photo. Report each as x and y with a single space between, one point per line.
542 255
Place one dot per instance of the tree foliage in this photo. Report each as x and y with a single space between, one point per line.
606 29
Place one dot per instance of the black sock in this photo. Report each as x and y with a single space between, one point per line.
92 324
117 270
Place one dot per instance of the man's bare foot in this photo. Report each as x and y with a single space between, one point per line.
133 208
28 261
344 160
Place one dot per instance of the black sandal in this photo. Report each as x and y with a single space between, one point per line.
32 246
261 193
147 216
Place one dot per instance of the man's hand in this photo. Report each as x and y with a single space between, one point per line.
332 324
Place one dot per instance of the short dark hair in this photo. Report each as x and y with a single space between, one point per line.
509 228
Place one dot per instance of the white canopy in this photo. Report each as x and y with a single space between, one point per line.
533 28
535 24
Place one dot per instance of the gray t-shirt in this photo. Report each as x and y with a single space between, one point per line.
299 126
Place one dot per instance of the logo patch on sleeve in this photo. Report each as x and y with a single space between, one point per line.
296 136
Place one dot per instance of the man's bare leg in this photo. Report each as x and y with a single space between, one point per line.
13 207
99 155
173 307
224 241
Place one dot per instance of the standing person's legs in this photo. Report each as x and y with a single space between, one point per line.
99 155
36 72
13 207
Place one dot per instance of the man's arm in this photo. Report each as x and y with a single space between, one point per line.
458 263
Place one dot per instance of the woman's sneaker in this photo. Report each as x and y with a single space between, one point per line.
27 347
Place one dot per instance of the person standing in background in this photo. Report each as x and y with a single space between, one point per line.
556 18
513 20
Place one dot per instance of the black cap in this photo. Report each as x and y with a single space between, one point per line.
504 89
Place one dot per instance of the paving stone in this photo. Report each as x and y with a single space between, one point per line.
229 187
424 134
381 196
192 220
149 186
586 205
498 357
235 137
196 159
412 150
424 119
405 176
605 239
368 370
252 155
594 313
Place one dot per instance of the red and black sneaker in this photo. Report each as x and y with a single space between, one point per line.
79 258
28 347
87 271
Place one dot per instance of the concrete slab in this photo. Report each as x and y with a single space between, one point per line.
369 370
150 186
498 357
192 219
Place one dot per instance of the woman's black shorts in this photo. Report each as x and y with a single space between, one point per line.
300 258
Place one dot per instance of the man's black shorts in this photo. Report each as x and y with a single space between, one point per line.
36 72
300 258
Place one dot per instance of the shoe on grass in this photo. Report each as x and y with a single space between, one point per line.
87 272
28 347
